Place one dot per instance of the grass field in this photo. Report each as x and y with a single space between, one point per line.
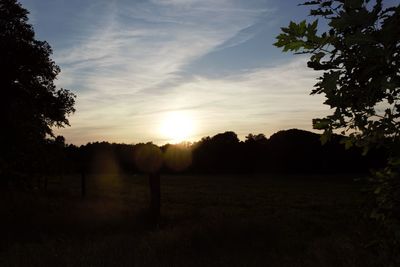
206 221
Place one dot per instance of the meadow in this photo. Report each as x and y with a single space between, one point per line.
237 220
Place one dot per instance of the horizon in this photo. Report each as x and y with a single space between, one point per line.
190 142
133 65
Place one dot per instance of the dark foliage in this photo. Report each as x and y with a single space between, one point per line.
359 55
30 104
291 151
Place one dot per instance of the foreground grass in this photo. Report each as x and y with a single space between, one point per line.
206 221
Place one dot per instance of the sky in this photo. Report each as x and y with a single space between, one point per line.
202 66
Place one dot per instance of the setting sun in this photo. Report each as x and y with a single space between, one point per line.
177 127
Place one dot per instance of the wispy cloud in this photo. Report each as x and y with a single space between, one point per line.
145 44
128 70
260 100
120 68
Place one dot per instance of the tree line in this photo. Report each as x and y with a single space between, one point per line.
289 151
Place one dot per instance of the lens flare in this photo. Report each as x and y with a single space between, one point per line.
177 158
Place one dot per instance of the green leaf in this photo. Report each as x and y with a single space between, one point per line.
310 3
348 143
394 161
326 4
321 12
325 138
353 3
330 80
295 46
317 57
377 190
321 124
302 27
365 150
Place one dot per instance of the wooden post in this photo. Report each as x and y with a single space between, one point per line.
155 197
149 159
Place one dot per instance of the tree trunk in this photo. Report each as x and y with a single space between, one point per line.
155 197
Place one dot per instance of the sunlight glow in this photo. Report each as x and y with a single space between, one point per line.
177 127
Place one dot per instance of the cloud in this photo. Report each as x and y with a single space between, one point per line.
128 71
145 44
259 100
127 62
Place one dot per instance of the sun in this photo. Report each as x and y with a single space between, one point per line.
177 127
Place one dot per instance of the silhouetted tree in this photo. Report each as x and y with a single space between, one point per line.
359 55
288 151
254 154
30 102
217 154
54 163
256 138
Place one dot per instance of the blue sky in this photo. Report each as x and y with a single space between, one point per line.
133 63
